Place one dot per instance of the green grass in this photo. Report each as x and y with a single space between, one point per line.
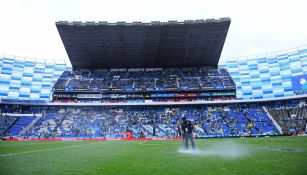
251 156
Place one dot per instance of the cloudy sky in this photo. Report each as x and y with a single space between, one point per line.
260 26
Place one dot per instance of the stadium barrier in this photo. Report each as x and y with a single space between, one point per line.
85 139
151 103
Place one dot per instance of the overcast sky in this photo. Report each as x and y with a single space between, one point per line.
28 29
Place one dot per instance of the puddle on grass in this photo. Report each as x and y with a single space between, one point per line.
226 150
282 149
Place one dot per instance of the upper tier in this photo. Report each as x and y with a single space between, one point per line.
145 80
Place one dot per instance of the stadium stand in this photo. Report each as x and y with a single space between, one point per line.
291 117
154 80
136 89
250 119
19 125
6 122
111 122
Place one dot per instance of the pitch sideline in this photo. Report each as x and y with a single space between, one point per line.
141 143
49 149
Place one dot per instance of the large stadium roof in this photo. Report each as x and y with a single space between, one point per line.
144 45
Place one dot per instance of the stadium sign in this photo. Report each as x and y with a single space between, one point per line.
299 82
64 96
89 96
118 95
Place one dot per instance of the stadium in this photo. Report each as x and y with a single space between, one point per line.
119 108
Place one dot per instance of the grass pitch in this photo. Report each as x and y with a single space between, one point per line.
274 155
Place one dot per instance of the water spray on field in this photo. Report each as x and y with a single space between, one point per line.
224 149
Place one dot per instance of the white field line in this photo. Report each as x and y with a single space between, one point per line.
49 149
153 144
161 144
141 143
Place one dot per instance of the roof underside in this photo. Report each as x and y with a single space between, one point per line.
144 45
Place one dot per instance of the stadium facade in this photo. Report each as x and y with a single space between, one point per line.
28 79
141 78
263 77
268 76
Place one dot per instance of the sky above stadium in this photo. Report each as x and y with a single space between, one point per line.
28 26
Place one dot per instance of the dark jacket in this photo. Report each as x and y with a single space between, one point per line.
187 127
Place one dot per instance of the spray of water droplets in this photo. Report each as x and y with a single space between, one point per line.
224 149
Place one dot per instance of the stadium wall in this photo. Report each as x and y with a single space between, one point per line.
28 79
261 77
269 75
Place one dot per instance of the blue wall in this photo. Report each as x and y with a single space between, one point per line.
25 79
267 76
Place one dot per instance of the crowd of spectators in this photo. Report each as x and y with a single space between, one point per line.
5 122
291 117
148 121
205 78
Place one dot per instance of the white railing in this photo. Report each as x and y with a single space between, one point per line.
273 120
38 116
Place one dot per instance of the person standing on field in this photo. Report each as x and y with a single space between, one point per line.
187 133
